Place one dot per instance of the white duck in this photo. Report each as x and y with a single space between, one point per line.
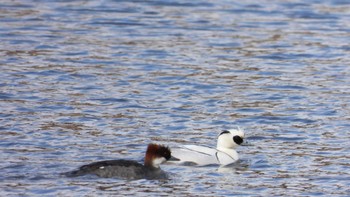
223 154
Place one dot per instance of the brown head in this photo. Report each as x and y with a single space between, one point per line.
156 155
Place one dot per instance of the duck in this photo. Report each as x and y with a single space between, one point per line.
224 153
129 169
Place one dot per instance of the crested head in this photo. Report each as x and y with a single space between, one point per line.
230 138
156 155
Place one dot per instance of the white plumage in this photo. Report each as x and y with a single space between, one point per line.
223 154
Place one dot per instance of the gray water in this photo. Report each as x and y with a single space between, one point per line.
84 81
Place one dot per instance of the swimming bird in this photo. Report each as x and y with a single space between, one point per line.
223 154
129 169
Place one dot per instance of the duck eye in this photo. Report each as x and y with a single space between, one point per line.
238 140
166 155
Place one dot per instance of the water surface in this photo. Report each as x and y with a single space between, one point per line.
83 81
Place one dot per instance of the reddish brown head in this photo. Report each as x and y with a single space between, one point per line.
156 154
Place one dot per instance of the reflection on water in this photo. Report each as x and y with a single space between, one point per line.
84 81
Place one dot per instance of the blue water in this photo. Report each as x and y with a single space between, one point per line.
83 81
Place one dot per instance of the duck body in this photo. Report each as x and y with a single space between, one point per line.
202 155
121 168
223 154
128 169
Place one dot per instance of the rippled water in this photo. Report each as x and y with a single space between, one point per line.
83 81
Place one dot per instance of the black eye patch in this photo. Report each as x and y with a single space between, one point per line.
166 153
238 140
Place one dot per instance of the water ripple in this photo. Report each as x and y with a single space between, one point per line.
83 81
